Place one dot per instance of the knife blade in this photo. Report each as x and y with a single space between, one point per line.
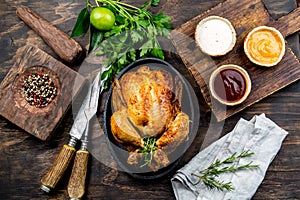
76 185
60 164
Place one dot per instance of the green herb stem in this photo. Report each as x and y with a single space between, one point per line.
126 6
121 8
208 175
148 150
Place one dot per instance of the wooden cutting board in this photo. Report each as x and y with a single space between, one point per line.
244 16
39 122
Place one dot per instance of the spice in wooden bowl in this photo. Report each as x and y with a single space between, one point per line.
230 84
264 46
38 89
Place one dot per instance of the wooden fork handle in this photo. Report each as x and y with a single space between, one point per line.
76 185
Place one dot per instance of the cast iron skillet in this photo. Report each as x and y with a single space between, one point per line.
189 105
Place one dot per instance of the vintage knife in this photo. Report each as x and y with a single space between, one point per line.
52 177
76 185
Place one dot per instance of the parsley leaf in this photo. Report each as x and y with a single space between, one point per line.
134 35
82 23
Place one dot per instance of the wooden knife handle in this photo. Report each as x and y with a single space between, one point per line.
76 186
288 24
58 168
61 43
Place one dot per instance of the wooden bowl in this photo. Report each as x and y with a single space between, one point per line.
264 46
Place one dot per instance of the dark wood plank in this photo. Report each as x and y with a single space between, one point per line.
288 24
244 15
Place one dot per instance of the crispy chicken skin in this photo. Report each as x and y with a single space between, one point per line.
131 82
146 105
175 134
123 131
151 109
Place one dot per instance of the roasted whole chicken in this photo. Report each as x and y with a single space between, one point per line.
147 118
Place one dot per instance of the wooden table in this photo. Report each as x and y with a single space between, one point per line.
24 159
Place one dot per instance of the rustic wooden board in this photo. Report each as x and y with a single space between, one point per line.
244 15
39 122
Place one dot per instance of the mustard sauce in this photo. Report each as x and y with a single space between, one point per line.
265 46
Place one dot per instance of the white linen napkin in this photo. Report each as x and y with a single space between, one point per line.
259 135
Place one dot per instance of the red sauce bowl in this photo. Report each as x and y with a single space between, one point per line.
230 84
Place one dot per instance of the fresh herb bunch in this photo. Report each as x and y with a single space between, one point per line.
148 150
208 176
135 34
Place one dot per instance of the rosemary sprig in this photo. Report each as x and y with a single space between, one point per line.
208 176
148 150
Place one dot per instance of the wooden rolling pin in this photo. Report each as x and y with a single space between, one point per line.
62 44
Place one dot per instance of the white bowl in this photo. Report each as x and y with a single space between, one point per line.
215 36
